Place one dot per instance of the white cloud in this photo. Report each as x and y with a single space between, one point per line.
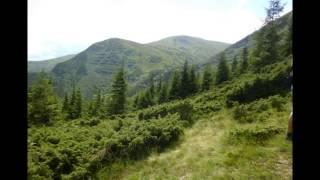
59 27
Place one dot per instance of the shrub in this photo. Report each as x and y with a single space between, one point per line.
242 114
277 102
254 134
274 82
184 109
53 139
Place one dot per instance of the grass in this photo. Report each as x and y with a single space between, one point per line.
204 153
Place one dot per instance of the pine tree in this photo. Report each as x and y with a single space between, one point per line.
118 93
42 102
274 10
65 107
193 85
234 67
159 85
223 70
288 43
152 88
198 82
136 101
163 95
76 104
71 114
185 81
91 110
174 92
244 62
267 39
206 78
145 100
98 104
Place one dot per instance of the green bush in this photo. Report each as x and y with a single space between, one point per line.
264 85
89 122
53 139
277 102
242 114
184 109
254 134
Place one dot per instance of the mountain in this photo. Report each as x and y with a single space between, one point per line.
198 48
47 65
93 68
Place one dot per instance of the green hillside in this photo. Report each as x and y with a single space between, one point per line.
244 140
93 68
46 65
229 123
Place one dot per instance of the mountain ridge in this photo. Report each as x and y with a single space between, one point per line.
95 65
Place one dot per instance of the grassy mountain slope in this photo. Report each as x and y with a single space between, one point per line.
235 130
220 143
93 68
204 153
47 65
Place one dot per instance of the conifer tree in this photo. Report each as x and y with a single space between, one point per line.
136 101
174 92
206 78
185 81
159 85
234 67
193 86
244 62
223 70
98 103
42 102
78 104
65 107
288 39
71 113
118 93
163 95
267 39
151 88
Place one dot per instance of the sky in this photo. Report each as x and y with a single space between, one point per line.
61 27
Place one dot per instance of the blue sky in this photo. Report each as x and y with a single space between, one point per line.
61 27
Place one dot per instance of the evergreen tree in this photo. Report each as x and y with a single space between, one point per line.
288 43
79 103
77 106
118 93
274 10
42 102
198 81
163 95
207 78
159 85
91 110
71 113
234 67
223 70
136 101
193 85
145 100
152 88
185 81
244 62
174 92
65 107
98 104
267 40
